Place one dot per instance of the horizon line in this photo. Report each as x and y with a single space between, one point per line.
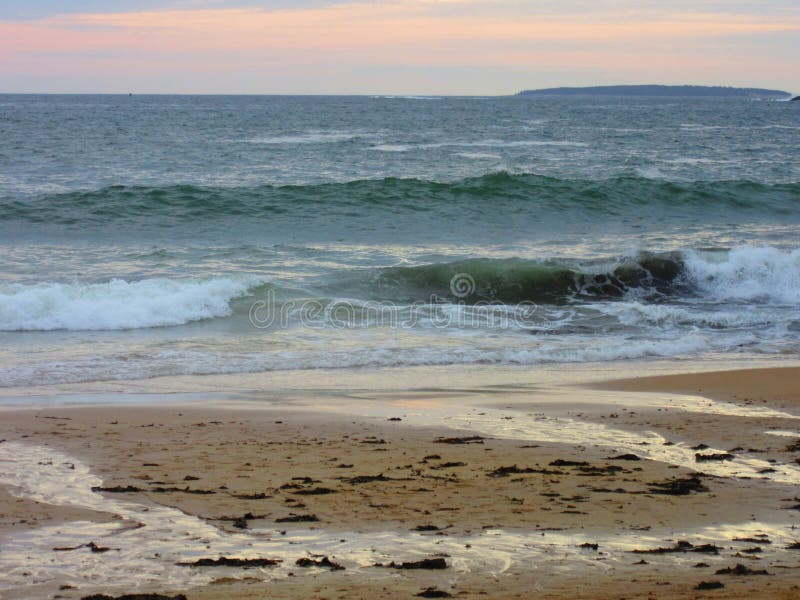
387 95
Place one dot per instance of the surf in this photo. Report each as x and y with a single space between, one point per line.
744 278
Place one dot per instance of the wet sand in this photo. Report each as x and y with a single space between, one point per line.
514 512
777 387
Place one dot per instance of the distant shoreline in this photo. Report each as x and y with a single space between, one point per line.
662 91
607 91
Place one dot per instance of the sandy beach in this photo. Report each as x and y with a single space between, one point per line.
634 488
363 343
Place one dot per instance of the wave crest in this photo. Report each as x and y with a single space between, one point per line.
751 276
116 304
518 280
489 194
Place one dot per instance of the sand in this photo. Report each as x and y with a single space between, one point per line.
509 511
778 387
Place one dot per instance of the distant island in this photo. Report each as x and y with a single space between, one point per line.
662 91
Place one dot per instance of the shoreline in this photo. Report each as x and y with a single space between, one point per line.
744 386
546 477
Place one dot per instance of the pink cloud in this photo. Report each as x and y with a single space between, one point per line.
402 33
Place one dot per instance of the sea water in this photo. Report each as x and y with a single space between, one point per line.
149 236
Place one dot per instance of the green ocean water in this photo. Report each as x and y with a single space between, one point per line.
162 235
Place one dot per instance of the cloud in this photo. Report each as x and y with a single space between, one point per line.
411 33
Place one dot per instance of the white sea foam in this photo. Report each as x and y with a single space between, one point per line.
792 127
362 352
117 304
311 137
635 313
701 127
479 155
783 433
651 445
650 172
686 160
522 143
747 274
392 147
490 143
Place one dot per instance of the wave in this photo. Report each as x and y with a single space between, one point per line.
744 274
518 280
646 287
493 193
117 304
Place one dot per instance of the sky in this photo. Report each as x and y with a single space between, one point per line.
454 47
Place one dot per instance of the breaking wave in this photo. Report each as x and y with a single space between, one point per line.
746 276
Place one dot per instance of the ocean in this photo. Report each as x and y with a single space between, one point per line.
152 236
